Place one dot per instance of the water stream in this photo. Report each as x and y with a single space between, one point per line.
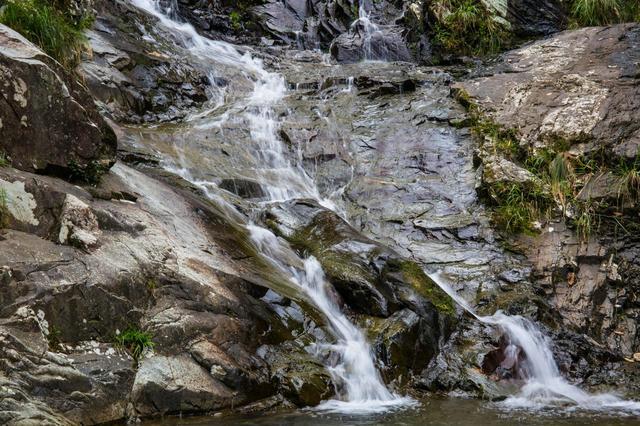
369 28
359 384
545 386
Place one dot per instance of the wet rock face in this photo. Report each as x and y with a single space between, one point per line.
549 91
381 44
132 79
217 332
536 17
405 313
48 122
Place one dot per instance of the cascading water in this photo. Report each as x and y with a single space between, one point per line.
545 386
281 179
360 387
369 29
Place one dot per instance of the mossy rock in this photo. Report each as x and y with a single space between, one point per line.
301 378
349 261
413 277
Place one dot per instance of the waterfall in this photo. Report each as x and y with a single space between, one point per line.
360 386
281 179
363 390
369 29
544 386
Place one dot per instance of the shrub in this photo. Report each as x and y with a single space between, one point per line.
135 342
57 34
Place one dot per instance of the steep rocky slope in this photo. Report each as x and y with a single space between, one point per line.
163 244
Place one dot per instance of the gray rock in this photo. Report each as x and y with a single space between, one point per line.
48 122
380 44
548 91
177 384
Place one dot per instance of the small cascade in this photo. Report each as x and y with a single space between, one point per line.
369 29
361 389
545 387
282 179
352 365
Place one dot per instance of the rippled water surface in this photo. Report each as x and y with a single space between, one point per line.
459 412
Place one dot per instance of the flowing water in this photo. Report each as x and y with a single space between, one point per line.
544 385
360 389
369 29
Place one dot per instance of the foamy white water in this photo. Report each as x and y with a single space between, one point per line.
545 387
360 387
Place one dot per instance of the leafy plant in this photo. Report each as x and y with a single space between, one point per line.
4 161
54 337
58 34
135 341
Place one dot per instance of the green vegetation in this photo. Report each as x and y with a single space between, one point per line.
48 25
519 205
239 17
54 337
90 174
468 28
4 208
236 20
603 12
558 179
4 161
135 342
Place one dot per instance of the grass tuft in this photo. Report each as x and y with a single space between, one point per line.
57 34
4 160
469 29
604 12
135 342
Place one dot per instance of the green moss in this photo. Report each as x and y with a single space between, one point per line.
468 28
413 274
48 25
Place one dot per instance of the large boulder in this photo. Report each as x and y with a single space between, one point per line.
48 121
551 91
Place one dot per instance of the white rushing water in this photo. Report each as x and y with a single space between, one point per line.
370 30
360 387
544 387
